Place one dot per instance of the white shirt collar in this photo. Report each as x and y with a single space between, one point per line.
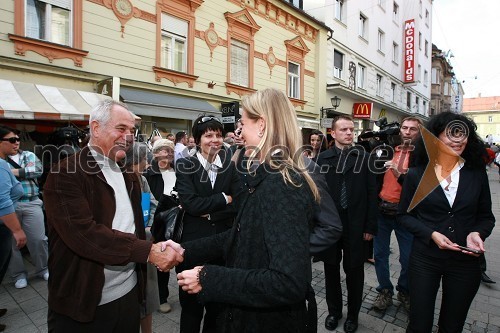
206 164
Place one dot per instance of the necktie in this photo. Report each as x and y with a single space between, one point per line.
343 189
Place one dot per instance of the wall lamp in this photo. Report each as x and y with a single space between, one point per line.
329 112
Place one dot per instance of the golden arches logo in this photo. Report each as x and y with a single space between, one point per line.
362 110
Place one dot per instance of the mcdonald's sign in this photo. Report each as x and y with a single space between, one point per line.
362 110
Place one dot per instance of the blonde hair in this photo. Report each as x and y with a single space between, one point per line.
281 134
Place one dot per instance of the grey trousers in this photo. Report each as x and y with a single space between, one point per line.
30 214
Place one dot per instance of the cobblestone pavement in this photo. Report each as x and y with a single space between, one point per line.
27 308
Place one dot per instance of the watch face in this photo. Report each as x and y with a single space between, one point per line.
123 7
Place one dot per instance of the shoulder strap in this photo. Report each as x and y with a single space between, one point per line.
13 163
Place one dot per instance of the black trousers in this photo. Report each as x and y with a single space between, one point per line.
460 281
119 316
355 277
192 314
163 278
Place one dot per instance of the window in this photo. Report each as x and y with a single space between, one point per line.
446 89
417 104
490 119
361 76
239 63
408 100
419 73
420 6
435 74
362 25
395 12
297 3
426 50
393 92
395 52
338 64
381 41
379 85
381 3
419 40
293 80
424 104
339 7
426 77
49 20
426 17
173 43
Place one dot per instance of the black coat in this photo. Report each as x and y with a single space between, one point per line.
471 211
198 197
361 196
264 285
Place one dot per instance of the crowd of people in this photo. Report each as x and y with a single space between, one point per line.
258 203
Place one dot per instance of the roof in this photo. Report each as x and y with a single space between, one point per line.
481 104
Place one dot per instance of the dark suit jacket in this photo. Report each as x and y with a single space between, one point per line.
361 196
471 211
198 198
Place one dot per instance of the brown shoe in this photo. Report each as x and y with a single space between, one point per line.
383 300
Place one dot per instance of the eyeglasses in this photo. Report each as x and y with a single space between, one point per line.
14 139
208 118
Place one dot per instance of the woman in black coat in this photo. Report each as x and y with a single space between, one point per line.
206 184
264 283
446 203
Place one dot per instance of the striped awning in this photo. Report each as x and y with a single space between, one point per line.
20 100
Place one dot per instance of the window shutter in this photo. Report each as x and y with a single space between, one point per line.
65 4
174 25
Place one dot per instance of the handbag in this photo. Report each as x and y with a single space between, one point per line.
168 224
388 208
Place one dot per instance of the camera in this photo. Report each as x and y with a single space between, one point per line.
385 133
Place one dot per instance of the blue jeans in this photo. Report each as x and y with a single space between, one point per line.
381 251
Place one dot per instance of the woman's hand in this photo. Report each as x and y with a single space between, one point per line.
189 280
474 241
443 242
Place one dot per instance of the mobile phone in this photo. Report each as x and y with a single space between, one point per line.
469 249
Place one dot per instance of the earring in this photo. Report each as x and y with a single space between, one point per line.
260 134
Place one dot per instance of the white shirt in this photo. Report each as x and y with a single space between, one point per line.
180 151
168 180
450 186
212 168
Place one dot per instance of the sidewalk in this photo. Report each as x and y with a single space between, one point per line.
27 308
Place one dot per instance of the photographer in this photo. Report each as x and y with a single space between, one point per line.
390 184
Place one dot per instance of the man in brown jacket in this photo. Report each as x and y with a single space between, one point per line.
97 241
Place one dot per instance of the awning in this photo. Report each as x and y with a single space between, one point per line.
20 100
155 104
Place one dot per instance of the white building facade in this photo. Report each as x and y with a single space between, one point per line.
379 57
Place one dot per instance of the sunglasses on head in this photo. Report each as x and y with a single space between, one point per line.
14 139
208 118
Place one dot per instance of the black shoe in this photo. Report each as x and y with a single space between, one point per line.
2 327
3 312
331 322
485 278
350 325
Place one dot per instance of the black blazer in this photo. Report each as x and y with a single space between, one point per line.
471 211
198 198
361 196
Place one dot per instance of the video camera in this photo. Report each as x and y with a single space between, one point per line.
386 130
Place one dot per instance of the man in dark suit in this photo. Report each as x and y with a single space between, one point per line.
353 188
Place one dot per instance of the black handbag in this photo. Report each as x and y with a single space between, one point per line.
168 224
388 208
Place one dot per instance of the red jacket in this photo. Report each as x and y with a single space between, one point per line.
80 207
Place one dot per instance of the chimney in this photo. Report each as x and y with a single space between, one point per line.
479 95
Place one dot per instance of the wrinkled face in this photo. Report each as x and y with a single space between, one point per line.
165 154
409 130
315 142
250 129
6 147
115 136
456 141
343 133
210 143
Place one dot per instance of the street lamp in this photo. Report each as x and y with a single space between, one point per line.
326 112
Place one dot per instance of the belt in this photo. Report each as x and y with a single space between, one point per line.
28 199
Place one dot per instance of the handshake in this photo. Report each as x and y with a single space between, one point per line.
166 255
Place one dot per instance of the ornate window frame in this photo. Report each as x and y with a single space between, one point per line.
48 49
296 50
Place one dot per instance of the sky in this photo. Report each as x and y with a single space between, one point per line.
469 28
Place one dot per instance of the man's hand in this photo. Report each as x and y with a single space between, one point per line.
20 238
164 259
189 280
367 236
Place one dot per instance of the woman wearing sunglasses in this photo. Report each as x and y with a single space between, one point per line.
207 184
263 285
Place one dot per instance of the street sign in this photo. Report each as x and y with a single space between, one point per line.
326 122
228 120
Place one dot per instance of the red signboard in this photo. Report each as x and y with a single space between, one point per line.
362 110
409 51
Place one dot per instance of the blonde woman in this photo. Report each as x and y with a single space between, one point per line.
264 283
